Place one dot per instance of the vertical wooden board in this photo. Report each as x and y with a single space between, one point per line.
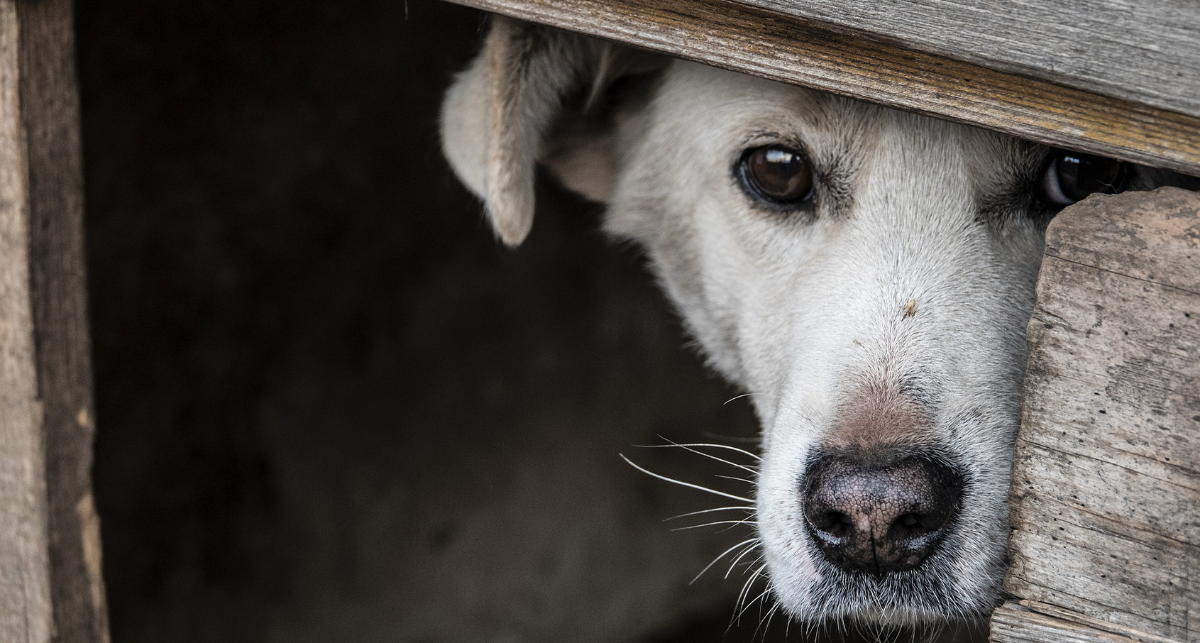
50 116
1030 622
1129 397
25 613
50 578
1076 561
1106 474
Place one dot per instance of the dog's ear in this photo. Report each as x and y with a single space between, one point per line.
536 93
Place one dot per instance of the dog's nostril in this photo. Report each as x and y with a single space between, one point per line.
914 525
879 511
834 523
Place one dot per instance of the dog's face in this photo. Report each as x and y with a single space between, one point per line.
865 274
876 313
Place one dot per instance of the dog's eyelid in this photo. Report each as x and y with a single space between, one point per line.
751 138
763 138
767 138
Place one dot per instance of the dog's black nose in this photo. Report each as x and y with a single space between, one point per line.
879 510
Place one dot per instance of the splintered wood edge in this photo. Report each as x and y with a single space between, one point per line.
867 67
1034 622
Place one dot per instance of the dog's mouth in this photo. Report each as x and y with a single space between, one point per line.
929 592
889 536
922 595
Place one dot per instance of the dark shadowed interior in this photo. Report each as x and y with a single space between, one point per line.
330 406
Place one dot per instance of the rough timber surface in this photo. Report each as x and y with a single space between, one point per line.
25 613
1146 52
51 587
1032 622
1106 476
864 60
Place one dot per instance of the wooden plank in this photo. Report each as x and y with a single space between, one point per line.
1145 52
51 587
1106 475
25 613
1030 622
58 286
1126 576
793 49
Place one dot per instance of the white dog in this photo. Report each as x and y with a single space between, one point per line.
865 274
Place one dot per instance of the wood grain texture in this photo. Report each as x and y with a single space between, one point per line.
805 52
1146 52
1024 622
58 288
25 607
1106 475
50 576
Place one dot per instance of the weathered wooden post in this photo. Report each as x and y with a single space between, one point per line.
1105 541
50 582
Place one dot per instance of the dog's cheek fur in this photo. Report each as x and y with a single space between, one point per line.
669 170
677 197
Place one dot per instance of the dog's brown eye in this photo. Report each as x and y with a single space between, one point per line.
777 174
1072 176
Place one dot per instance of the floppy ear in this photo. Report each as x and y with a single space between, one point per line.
510 108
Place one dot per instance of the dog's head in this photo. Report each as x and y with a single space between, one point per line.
865 274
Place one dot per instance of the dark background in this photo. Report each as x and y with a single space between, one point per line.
330 406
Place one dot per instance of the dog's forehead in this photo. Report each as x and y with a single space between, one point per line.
714 103
727 110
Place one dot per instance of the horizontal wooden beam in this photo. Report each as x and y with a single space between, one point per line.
800 51
1146 51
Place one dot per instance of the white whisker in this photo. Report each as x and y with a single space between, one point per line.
758 598
688 447
739 558
713 524
737 479
765 621
746 592
708 511
697 445
751 541
737 397
683 484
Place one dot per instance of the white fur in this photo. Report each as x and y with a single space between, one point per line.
799 314
800 311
